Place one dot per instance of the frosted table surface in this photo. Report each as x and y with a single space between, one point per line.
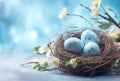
11 71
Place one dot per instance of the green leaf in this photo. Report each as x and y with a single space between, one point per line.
22 65
67 63
117 39
105 25
81 4
36 49
41 68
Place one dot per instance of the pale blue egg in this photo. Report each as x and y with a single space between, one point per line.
73 45
89 36
91 49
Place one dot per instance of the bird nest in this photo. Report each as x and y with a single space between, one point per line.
86 65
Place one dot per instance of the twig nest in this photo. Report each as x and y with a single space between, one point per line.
86 65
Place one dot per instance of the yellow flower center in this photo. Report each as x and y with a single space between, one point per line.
54 62
63 14
118 33
95 4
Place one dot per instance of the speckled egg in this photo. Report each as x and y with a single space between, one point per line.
73 45
89 36
91 49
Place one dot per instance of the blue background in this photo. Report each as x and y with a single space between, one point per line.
25 24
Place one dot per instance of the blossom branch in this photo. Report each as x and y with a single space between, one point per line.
110 18
81 17
113 12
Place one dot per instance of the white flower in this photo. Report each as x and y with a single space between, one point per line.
113 33
117 45
49 48
52 61
63 14
95 6
73 62
43 62
49 55
43 49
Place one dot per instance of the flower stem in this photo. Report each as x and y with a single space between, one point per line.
81 17
85 7
29 63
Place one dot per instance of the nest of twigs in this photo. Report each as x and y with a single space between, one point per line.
86 65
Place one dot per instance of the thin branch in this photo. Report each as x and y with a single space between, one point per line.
110 18
81 17
104 17
29 63
115 14
85 7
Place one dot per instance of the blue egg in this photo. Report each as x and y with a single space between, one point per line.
91 49
73 45
89 36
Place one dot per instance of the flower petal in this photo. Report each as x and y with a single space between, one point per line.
52 61
63 14
95 6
